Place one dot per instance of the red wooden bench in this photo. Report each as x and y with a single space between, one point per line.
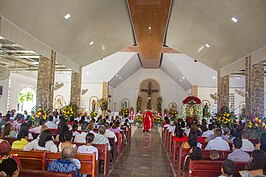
210 168
175 151
32 160
40 173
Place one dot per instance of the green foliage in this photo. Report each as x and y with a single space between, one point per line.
25 95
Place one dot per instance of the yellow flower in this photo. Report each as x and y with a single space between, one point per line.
250 126
263 124
39 113
256 125
227 115
256 119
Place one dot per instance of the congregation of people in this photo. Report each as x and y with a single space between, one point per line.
42 138
211 136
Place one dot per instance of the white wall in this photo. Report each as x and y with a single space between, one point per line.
169 89
3 97
18 83
204 94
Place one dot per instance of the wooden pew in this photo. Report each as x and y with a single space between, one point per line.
113 149
222 154
118 135
104 155
32 160
170 148
168 138
89 164
40 173
210 168
175 151
182 154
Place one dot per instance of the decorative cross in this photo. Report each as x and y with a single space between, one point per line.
149 90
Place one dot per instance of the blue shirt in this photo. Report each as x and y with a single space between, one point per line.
239 155
60 165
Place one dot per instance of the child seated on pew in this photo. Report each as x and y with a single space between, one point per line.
214 155
228 168
88 148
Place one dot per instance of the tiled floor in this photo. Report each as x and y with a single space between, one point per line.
144 156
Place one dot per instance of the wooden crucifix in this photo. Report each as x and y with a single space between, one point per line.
149 91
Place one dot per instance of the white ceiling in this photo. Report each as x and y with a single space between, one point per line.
106 23
195 72
195 23
173 71
131 67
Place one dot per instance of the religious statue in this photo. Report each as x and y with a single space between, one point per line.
124 104
243 110
191 111
93 105
205 109
148 103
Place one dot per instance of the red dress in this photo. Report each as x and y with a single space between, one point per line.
148 121
183 139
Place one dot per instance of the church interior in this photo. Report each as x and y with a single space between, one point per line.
150 75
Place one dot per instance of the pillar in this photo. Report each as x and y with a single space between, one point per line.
194 90
223 91
105 90
75 94
45 82
254 88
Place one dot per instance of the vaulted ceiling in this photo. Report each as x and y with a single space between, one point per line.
201 29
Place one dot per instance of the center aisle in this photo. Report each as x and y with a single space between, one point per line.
143 156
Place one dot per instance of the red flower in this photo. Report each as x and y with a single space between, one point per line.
191 100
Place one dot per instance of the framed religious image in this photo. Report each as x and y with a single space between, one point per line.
59 102
93 103
125 103
172 106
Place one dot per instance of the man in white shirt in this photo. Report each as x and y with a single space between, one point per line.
37 130
109 133
246 144
81 138
50 123
88 148
217 143
208 132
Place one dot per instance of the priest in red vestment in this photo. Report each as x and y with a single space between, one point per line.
148 121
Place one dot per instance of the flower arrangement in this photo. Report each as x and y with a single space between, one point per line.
191 100
93 114
208 114
256 123
138 105
173 114
157 119
38 114
103 104
124 112
159 104
70 110
227 119
139 118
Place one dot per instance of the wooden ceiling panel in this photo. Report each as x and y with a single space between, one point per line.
149 19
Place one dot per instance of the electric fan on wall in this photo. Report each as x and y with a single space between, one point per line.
4 73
